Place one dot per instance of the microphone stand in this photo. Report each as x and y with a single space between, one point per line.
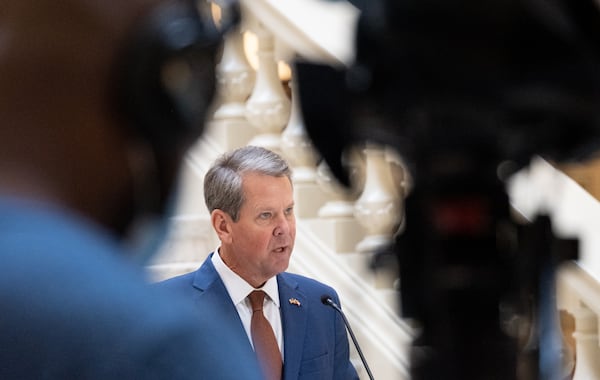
328 301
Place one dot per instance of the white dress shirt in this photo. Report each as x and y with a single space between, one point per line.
239 290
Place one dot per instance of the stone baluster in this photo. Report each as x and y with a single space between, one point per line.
235 80
342 199
379 209
298 150
297 147
336 225
268 108
341 204
586 345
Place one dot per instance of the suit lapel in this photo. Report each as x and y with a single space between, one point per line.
206 276
294 313
212 297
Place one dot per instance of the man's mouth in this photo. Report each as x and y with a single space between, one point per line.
280 249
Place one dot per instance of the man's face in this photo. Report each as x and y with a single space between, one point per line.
260 243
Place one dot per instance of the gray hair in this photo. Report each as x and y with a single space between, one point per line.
223 181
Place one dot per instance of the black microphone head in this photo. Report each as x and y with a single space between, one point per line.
326 299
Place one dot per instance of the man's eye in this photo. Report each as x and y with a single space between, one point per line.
289 211
265 215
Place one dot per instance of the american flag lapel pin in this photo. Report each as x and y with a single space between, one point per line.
294 301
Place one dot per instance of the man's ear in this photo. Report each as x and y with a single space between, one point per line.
221 223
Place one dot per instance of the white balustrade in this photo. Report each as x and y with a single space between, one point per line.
578 294
298 150
296 146
379 209
335 224
235 80
341 205
541 188
587 349
268 108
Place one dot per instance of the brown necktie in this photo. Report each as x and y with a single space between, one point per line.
263 339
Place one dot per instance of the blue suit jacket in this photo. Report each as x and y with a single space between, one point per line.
315 340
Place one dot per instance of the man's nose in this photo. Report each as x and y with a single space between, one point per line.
283 226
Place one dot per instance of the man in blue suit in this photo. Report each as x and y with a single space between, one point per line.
250 197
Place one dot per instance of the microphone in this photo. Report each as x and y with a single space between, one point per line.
327 300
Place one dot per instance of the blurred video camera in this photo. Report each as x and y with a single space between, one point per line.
467 92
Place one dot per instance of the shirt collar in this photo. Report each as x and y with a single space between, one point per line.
237 287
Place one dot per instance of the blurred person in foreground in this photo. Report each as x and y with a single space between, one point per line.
77 167
249 194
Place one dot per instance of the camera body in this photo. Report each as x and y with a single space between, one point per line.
467 92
